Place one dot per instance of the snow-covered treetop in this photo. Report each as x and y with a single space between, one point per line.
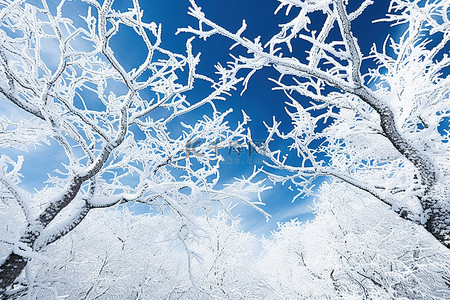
377 121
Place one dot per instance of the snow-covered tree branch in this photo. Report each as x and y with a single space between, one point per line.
114 123
375 121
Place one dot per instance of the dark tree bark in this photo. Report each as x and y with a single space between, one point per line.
14 263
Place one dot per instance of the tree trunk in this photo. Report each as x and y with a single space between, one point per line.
438 217
10 270
14 263
433 203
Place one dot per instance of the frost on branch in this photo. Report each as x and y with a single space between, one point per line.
139 255
355 248
117 127
377 121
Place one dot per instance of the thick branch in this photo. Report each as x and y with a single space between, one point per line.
52 234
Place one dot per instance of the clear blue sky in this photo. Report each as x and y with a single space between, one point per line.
259 101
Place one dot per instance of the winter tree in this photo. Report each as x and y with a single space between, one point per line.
120 128
355 248
131 256
376 121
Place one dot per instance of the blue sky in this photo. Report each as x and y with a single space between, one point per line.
259 101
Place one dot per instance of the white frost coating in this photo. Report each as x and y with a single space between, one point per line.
382 130
355 248
382 134
25 251
9 180
146 255
106 201
112 123
378 256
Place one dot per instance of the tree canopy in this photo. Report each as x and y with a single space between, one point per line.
136 206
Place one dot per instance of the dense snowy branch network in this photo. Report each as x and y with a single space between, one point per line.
376 121
119 127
